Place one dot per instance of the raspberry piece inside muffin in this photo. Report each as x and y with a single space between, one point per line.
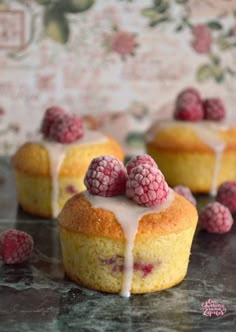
106 176
140 159
146 185
226 195
116 262
216 218
66 129
213 109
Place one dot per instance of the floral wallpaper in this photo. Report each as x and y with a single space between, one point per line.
118 63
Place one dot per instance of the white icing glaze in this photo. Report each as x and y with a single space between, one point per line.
207 131
57 153
128 214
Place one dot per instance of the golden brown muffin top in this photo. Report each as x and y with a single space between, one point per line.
80 217
33 158
191 136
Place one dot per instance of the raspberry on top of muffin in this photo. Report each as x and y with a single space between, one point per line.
50 168
140 180
60 126
190 106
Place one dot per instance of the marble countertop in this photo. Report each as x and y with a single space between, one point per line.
37 297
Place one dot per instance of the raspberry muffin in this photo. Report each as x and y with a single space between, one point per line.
128 232
196 148
51 168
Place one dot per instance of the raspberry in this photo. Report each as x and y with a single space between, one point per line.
140 159
226 195
214 109
50 115
190 91
216 218
106 176
189 106
185 192
15 246
117 265
146 185
66 129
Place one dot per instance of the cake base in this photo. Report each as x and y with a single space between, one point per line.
193 169
160 262
35 192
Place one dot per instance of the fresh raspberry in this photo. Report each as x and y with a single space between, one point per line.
185 192
66 129
50 115
214 109
15 246
140 159
226 195
106 176
189 106
146 185
216 218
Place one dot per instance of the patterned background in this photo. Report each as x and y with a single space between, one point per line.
119 63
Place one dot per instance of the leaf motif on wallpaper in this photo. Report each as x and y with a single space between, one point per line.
208 71
44 2
204 72
76 6
218 73
56 26
181 2
223 43
215 59
158 13
215 25
158 20
149 12
161 6
55 19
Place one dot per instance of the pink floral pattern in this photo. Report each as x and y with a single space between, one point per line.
123 43
73 57
202 39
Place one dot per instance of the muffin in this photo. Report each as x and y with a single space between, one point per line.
51 168
124 243
198 155
196 148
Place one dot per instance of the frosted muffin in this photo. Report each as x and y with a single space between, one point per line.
196 148
198 155
49 170
114 244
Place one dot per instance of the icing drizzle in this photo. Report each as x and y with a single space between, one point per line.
207 132
128 214
57 153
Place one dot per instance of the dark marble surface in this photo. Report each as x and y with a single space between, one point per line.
37 297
